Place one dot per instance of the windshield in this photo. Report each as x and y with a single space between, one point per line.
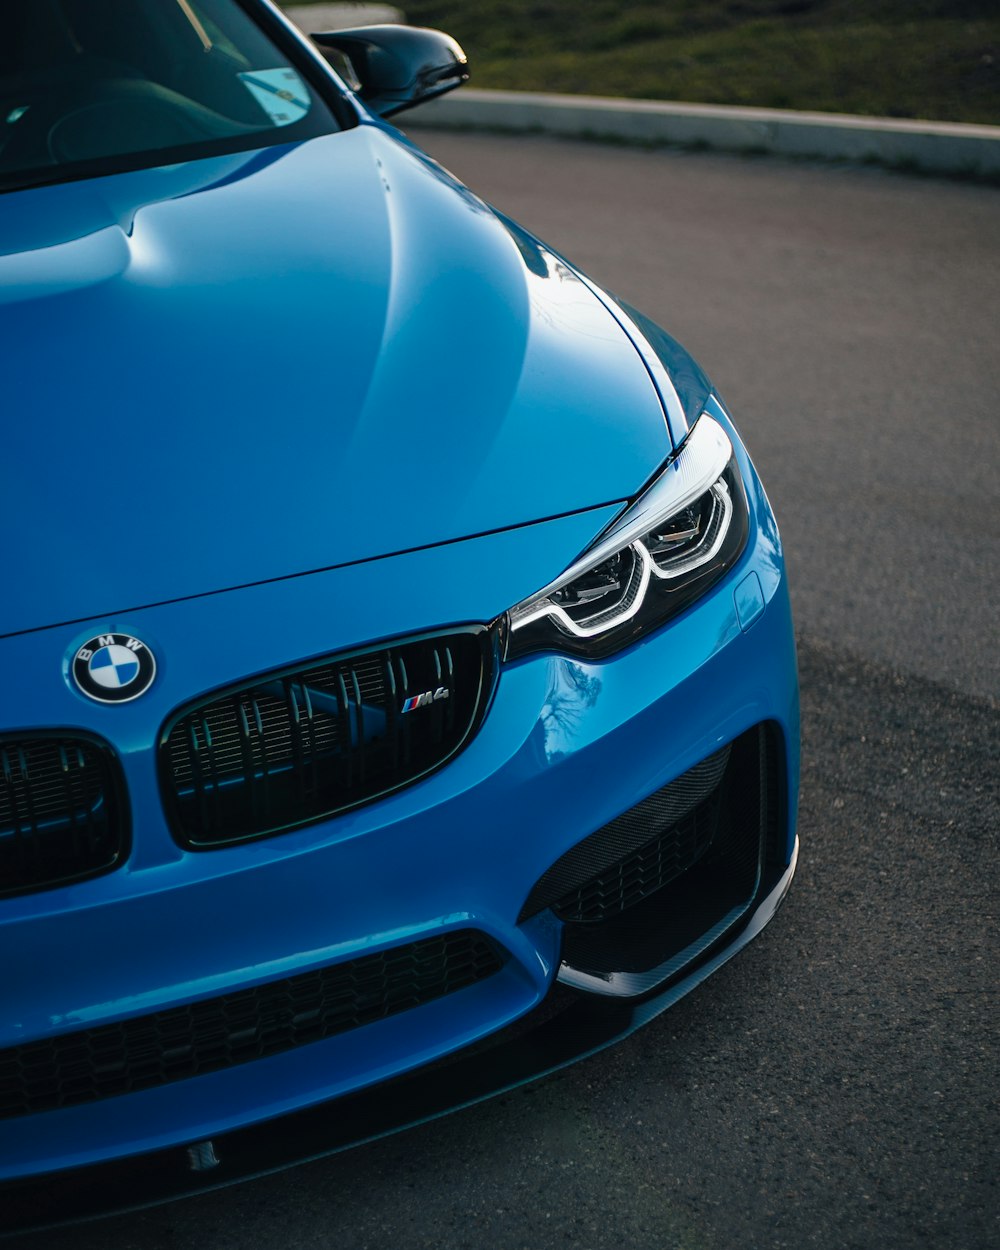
92 87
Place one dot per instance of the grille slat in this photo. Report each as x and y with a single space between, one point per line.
344 708
260 780
62 811
359 716
68 797
404 694
449 677
301 745
392 704
218 1033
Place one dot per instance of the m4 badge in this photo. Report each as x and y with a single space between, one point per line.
422 700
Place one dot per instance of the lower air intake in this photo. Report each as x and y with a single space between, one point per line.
677 872
637 853
217 1033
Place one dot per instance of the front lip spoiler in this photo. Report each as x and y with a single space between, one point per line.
566 1026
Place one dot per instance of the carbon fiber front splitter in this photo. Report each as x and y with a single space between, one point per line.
569 1025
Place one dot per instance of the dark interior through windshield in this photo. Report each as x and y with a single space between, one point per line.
92 86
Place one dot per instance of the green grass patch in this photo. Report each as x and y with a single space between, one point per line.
937 59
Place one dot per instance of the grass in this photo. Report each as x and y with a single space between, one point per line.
937 59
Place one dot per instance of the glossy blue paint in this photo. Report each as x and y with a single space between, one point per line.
174 926
462 846
309 399
268 347
749 600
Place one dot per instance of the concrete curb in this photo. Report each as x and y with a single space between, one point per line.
933 147
310 18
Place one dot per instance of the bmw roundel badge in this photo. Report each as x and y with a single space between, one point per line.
114 668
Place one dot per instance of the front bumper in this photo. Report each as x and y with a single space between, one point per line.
564 1027
565 748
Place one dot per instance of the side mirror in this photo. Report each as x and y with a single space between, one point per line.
395 67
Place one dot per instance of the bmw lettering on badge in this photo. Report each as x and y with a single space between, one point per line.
114 668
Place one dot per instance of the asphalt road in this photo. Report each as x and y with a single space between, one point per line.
835 1086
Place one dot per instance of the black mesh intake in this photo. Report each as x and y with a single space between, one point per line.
637 853
217 1033
62 811
302 744
658 933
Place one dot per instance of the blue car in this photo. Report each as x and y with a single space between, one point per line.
400 694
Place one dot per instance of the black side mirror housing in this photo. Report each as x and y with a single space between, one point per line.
395 67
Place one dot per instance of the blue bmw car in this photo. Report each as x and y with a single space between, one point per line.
400 696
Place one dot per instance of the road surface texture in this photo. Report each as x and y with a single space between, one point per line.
835 1085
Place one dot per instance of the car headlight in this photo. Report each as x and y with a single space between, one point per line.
667 549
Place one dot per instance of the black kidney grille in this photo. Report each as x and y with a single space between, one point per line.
249 1024
62 816
301 745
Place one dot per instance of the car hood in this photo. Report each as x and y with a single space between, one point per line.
256 366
